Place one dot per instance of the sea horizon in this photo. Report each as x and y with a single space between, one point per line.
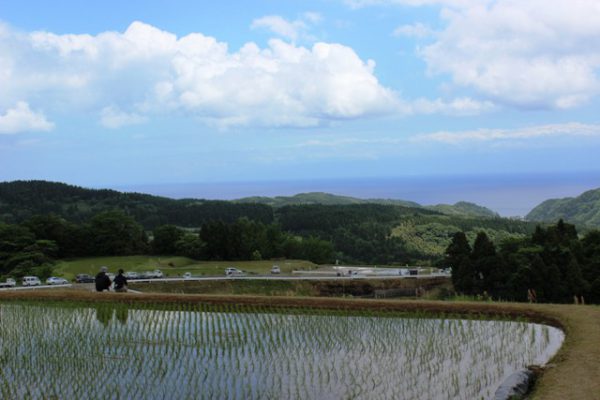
510 194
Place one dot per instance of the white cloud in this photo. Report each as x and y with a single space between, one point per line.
148 71
572 129
533 53
312 17
527 54
462 106
418 30
291 30
279 25
21 118
112 117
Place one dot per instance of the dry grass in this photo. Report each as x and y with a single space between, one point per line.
574 372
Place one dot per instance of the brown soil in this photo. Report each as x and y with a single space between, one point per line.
574 373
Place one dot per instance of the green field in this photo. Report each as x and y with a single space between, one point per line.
172 266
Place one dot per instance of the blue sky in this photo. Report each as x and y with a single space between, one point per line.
149 92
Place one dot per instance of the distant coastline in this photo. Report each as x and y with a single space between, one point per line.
507 194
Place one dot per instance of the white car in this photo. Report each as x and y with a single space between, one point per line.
31 281
231 271
156 274
275 269
53 280
131 275
10 283
187 275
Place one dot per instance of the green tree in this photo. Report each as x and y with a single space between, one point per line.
115 233
190 245
316 250
484 262
165 239
458 257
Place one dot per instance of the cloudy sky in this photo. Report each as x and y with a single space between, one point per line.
142 92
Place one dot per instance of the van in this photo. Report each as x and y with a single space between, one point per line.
31 281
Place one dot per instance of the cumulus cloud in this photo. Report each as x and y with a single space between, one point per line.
532 53
149 71
21 118
112 117
573 129
525 54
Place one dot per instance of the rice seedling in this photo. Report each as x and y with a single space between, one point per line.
111 351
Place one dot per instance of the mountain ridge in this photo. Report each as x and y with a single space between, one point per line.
461 208
47 196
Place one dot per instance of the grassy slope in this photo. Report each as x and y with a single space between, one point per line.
577 371
576 367
171 266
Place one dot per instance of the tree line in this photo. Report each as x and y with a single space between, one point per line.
31 246
553 263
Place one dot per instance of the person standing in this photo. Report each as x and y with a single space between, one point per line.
120 282
102 280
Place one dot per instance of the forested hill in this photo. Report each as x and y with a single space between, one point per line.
20 200
321 198
465 209
355 233
583 210
461 208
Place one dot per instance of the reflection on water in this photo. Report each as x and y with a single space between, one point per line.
104 314
192 353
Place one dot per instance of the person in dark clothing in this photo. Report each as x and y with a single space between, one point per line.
120 282
102 280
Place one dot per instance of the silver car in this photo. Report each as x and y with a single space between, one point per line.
53 280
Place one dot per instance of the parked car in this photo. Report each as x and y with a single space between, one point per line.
131 275
275 269
31 281
231 271
187 275
156 274
84 278
10 282
53 280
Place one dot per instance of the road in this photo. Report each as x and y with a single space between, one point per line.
37 287
251 278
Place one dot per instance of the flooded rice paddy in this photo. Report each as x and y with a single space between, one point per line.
193 352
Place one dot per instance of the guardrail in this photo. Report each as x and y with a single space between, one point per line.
38 287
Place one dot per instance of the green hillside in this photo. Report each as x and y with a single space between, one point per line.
582 210
462 208
20 200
